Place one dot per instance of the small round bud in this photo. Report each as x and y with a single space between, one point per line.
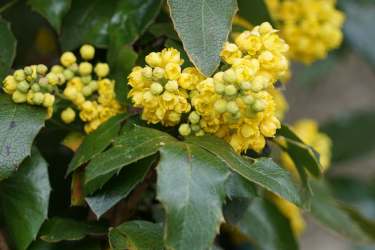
9 84
194 117
73 67
156 88
86 91
28 70
158 73
70 93
87 52
67 59
219 88
184 129
38 98
52 78
218 77
259 83
68 115
171 86
248 99
93 85
19 75
147 72
200 133
68 74
35 87
230 90
86 79
102 70
57 69
19 97
23 86
60 79
41 69
245 85
232 107
220 106
49 100
259 105
29 97
43 82
153 59
230 76
195 127
85 68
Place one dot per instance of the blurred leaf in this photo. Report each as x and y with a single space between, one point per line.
24 200
71 245
97 141
136 235
58 229
8 45
164 29
366 224
360 20
204 32
132 145
93 21
254 11
327 211
119 187
263 171
265 225
52 10
352 135
19 124
191 188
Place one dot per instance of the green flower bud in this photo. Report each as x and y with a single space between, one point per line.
86 79
61 79
147 72
195 127
38 98
219 87
194 117
218 77
232 107
68 74
23 86
85 68
19 75
230 90
248 99
184 129
28 70
200 133
35 87
41 69
171 86
86 91
57 69
245 85
49 100
52 78
158 73
220 106
259 105
74 67
156 88
93 85
19 97
230 76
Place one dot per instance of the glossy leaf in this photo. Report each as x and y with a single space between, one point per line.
52 10
119 187
267 227
352 135
19 124
97 141
263 171
134 144
8 45
93 21
204 32
58 229
24 200
191 188
254 11
136 235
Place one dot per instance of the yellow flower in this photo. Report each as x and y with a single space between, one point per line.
230 52
67 59
9 84
68 115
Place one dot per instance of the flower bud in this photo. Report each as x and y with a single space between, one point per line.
57 69
93 85
230 76
35 87
67 59
74 67
49 100
101 69
52 78
219 87
30 97
245 85
86 79
259 105
85 68
154 59
41 69
147 72
218 77
38 98
68 74
248 99
9 84
220 106
232 107
60 79
194 117
87 52
158 73
28 70
19 97
68 115
86 91
184 129
70 93
200 133
19 75
265 27
156 88
23 86
171 86
230 90
195 127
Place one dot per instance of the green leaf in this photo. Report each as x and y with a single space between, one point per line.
352 135
263 171
204 32
93 21
136 235
326 209
267 227
360 19
163 29
52 10
366 224
97 141
191 188
254 11
24 200
8 44
19 124
59 229
134 144
80 245
119 187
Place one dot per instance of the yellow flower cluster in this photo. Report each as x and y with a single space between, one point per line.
87 87
311 27
32 85
162 87
234 104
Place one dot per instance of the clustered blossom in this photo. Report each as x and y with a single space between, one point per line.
234 104
311 27
86 88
